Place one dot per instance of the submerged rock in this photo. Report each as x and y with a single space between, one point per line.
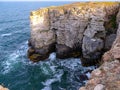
73 30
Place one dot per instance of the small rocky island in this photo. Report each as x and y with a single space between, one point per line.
90 31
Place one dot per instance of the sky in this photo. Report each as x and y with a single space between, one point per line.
59 0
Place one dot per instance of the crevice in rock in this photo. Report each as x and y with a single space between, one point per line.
111 27
75 31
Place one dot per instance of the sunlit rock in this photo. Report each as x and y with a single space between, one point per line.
73 30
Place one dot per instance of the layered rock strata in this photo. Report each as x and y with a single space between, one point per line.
75 30
107 76
114 52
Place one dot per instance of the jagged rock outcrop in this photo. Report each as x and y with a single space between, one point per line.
78 29
107 76
114 52
109 41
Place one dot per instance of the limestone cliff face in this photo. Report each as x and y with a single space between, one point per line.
78 29
107 76
114 52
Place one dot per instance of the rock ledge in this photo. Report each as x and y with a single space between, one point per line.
73 30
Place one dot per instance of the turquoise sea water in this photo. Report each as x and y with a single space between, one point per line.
16 71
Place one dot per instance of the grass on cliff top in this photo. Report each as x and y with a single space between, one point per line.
94 4
91 4
77 4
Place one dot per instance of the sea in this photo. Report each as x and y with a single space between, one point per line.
17 72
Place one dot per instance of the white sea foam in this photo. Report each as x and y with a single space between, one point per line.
12 59
47 88
47 67
7 34
48 82
71 63
88 74
52 56
85 81
8 64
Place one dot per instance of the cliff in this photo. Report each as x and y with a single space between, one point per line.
89 30
83 30
107 76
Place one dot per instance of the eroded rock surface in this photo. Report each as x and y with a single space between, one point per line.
109 41
114 52
106 77
78 29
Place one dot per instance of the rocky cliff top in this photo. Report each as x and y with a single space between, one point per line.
73 30
86 30
81 5
78 4
107 76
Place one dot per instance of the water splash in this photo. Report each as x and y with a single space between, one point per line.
52 56
56 78
7 34
13 59
55 68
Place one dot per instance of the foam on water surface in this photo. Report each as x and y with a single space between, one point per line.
13 58
17 70
7 34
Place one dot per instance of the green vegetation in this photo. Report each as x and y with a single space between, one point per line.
111 25
34 57
113 21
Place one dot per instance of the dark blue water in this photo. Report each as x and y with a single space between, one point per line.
16 71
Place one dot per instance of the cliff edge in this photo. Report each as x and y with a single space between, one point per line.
107 76
84 30
89 30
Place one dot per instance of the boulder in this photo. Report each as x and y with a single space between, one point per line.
99 87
